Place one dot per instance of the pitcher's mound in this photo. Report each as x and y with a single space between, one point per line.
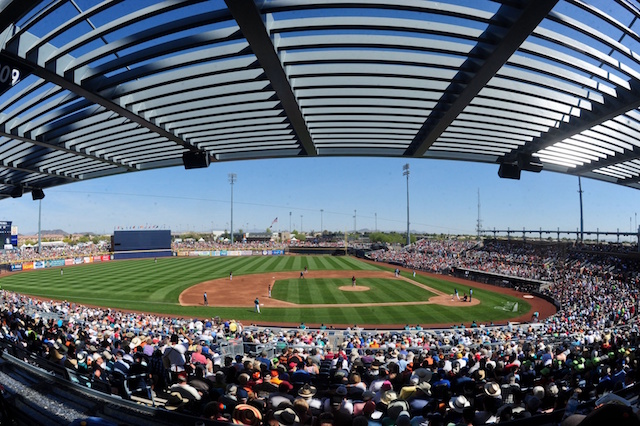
352 288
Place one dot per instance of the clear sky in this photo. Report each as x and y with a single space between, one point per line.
443 195
443 199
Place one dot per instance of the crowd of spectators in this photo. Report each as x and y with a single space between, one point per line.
435 256
192 244
473 375
465 375
62 251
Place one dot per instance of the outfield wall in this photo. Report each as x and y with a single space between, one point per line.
58 263
229 253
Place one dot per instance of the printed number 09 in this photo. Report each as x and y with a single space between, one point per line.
7 72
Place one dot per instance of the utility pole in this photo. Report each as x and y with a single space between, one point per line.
232 180
405 172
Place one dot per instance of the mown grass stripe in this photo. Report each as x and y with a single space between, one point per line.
149 286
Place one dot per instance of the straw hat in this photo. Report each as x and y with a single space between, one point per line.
388 397
459 403
425 387
492 389
307 391
245 414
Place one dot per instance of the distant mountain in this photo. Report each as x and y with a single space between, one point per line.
53 232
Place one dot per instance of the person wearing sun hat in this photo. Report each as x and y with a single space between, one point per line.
175 402
244 414
457 404
286 417
492 390
308 393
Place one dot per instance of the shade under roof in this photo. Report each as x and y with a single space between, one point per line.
91 89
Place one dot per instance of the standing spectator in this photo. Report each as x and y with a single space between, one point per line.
174 356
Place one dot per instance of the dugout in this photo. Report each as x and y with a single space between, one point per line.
142 243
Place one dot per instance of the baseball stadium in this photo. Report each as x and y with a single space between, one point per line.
155 326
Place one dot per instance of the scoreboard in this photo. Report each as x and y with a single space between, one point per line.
5 233
141 243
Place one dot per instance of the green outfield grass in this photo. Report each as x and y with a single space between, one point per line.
326 290
155 287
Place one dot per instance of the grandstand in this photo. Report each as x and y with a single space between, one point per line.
581 339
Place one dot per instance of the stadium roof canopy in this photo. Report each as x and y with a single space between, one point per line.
97 88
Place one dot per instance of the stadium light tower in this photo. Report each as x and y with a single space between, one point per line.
321 225
232 180
405 172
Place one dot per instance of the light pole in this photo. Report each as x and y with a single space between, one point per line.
355 227
321 224
581 216
232 180
39 228
405 172
301 227
289 223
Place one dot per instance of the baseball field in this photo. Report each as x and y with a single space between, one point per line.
325 294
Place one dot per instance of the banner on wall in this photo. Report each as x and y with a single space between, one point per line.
217 253
27 265
39 264
105 258
16 267
68 262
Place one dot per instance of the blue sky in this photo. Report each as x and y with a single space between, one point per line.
443 194
443 198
